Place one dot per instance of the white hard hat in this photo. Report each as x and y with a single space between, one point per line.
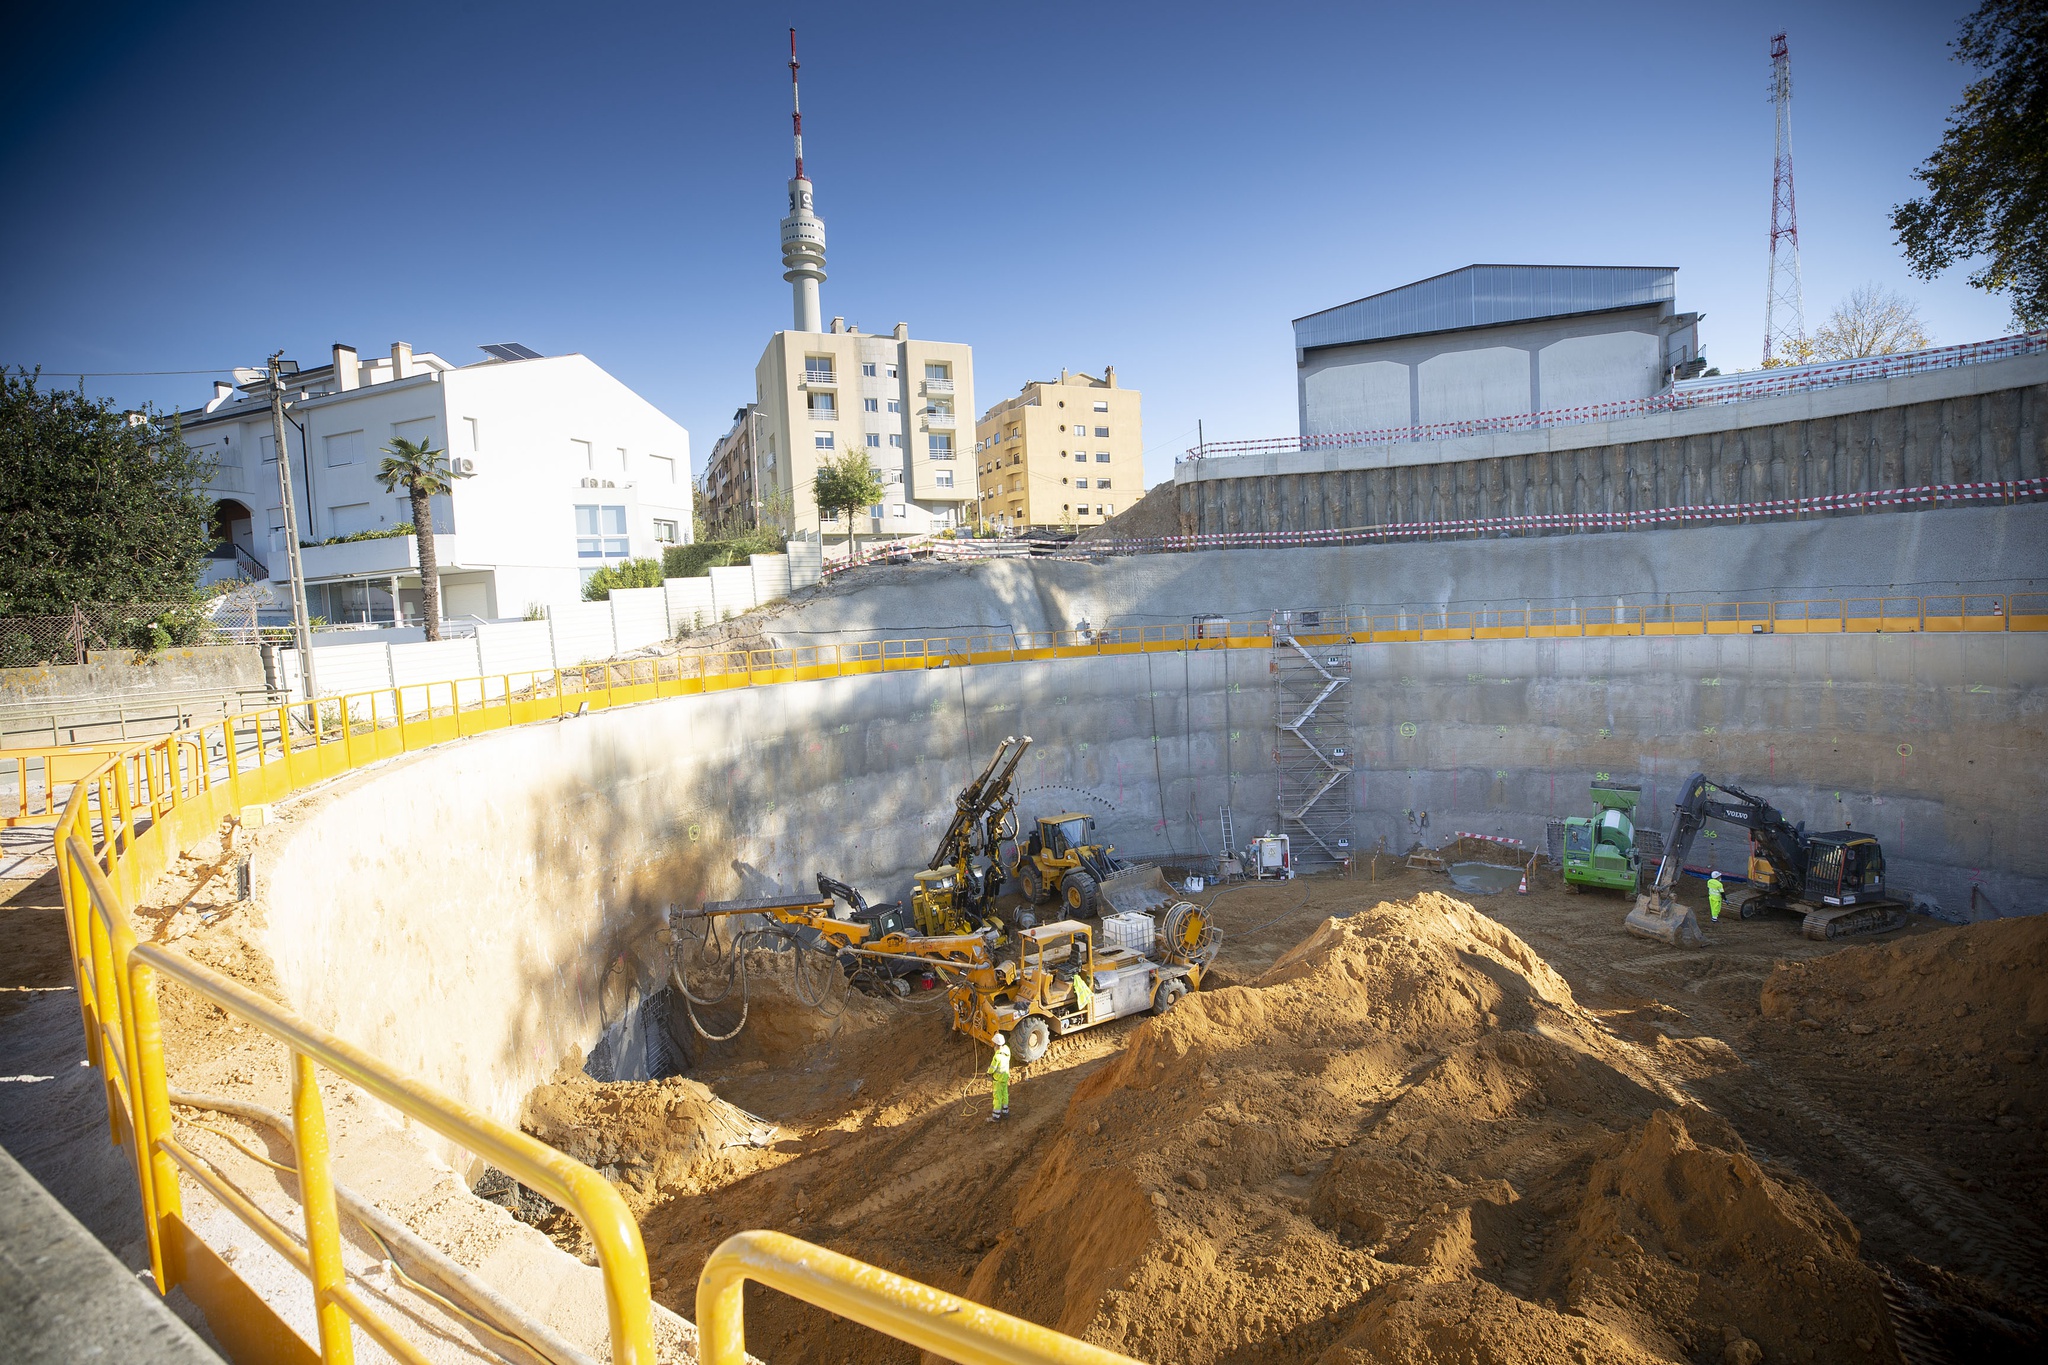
1000 1041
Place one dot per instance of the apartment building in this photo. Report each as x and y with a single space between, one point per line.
1063 452
565 470
731 480
899 399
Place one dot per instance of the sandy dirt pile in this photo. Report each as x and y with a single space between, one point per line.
651 1138
1407 1142
1155 514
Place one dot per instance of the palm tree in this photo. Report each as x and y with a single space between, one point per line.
425 474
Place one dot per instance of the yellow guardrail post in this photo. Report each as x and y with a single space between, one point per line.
323 1222
929 1319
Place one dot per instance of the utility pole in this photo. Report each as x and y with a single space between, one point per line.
302 625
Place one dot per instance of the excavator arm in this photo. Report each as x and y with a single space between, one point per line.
1780 843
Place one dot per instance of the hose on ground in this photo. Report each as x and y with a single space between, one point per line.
511 1322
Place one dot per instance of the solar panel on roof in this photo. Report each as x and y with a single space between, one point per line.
510 350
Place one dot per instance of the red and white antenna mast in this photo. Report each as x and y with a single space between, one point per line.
796 107
803 233
1784 294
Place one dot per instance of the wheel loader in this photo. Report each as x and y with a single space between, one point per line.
1058 862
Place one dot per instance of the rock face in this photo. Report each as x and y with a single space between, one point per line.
1408 1142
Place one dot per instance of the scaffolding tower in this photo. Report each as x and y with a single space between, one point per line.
1311 754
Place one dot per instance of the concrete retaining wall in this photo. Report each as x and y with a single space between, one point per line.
1705 459
478 912
121 675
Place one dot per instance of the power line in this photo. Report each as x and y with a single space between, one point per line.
125 374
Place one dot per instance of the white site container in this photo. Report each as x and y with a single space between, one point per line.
1133 930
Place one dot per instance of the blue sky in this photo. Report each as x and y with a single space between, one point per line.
1160 188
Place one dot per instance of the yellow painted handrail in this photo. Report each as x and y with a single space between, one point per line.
929 1319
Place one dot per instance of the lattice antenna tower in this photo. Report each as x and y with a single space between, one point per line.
1785 294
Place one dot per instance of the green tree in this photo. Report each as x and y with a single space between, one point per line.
628 573
95 505
1873 320
1988 180
847 485
424 474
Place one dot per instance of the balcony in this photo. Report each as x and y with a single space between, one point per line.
938 386
819 379
938 420
364 558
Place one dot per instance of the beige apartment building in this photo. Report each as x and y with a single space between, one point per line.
1063 452
821 394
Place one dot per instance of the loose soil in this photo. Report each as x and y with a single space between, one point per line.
1150 517
1394 1127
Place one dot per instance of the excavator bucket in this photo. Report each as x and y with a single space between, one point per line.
1659 915
1140 890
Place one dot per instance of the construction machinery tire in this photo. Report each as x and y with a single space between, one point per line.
1168 995
1030 1039
1080 892
1030 882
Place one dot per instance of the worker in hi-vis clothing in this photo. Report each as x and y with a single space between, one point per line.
1083 995
1714 895
999 1074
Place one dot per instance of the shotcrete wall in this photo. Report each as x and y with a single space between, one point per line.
477 913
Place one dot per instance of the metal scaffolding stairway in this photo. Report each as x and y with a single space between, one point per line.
1311 755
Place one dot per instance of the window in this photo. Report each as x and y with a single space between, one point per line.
269 449
935 371
1082 456
868 369
1102 457
872 404
942 478
662 467
818 369
1102 483
344 448
941 446
664 532
823 407
876 510
830 514
822 440
1102 433
891 372
895 405
875 440
601 531
1080 483
896 509
896 440
1080 430
580 452
1109 509
1102 406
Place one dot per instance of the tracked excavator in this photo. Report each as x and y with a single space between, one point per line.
1835 881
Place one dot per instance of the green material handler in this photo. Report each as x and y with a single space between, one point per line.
1600 850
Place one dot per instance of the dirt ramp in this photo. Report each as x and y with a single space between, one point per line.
653 1138
1407 1141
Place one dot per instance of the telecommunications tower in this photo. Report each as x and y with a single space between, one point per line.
803 235
1784 296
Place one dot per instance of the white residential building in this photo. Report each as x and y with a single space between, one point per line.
568 470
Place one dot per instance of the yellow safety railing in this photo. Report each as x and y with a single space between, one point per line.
126 814
929 1319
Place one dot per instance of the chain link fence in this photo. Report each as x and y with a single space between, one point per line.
146 627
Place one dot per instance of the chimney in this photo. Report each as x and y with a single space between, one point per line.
1109 377
903 331
346 375
401 360
222 392
839 324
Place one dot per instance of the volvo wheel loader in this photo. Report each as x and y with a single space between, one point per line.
1058 862
1835 881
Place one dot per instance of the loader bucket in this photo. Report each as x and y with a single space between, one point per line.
1658 915
1140 890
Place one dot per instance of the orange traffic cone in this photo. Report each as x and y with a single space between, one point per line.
1524 888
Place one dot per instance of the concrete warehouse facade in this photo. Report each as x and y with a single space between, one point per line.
1491 341
1067 451
1968 423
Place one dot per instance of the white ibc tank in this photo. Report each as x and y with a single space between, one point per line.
1133 930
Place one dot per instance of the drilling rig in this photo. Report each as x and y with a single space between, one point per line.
956 894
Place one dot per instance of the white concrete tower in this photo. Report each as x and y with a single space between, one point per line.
803 235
